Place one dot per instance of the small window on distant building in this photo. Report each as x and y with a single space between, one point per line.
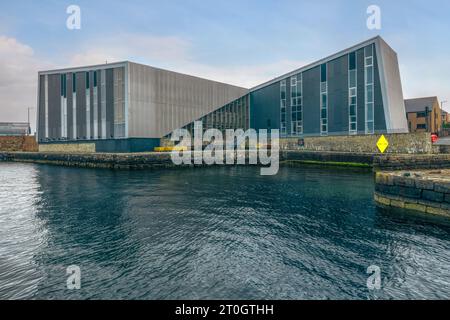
421 126
421 114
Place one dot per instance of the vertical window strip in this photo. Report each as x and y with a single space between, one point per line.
296 105
369 89
283 107
323 99
353 94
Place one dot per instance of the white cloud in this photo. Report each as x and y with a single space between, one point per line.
18 79
176 54
19 67
131 47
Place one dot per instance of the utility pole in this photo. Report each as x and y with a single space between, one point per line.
29 126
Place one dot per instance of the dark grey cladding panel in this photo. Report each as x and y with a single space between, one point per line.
361 92
81 105
311 101
99 100
54 106
380 119
109 103
91 95
70 114
41 120
265 107
338 95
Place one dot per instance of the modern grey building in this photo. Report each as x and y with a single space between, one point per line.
122 107
127 107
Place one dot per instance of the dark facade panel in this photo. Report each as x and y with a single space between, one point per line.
380 119
311 101
265 107
81 105
41 121
338 106
109 103
91 102
99 101
70 114
54 106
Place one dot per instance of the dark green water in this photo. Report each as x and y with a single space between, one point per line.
215 233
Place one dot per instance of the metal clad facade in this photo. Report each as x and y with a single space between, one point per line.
161 101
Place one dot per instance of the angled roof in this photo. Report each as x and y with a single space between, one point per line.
419 104
319 62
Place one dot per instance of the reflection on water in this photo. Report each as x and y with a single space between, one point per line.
215 233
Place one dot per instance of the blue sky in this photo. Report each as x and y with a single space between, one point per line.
240 42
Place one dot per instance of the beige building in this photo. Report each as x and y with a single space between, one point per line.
445 117
423 114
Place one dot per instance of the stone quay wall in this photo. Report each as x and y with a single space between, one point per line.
18 143
399 143
423 191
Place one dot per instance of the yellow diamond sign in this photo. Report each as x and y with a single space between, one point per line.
382 144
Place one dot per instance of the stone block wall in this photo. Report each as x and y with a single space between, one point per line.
18 143
424 191
404 143
68 147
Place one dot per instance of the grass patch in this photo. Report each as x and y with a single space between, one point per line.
327 163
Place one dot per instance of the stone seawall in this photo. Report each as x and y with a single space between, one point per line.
423 191
411 162
399 143
152 160
18 143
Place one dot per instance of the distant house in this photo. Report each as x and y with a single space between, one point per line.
423 114
14 128
445 117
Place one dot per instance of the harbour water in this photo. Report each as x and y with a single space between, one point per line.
211 233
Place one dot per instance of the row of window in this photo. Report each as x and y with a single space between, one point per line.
297 97
91 133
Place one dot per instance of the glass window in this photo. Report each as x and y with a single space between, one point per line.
352 80
369 74
421 114
370 112
87 80
370 93
74 82
323 73
352 61
95 78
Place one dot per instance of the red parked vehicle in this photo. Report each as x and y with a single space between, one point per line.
434 138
